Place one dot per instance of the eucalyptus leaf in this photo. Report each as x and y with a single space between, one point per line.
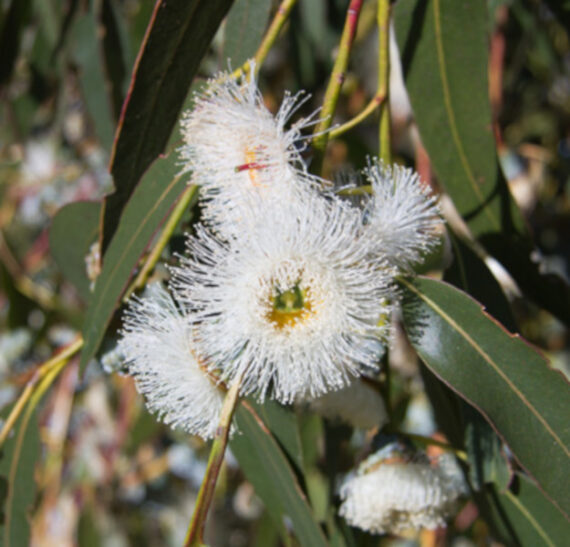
509 382
267 468
176 39
147 209
74 229
245 26
17 473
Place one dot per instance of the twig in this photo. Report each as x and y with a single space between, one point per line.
383 18
43 370
194 536
337 76
370 108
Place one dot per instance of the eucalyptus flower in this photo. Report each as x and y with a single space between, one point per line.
295 305
391 493
239 152
402 216
157 347
358 404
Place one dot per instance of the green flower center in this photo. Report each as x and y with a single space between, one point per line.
290 307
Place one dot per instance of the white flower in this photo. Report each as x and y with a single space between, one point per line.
357 404
390 494
295 306
239 152
402 216
157 348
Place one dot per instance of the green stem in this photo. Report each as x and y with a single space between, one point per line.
275 27
165 236
370 108
195 534
337 76
44 370
383 19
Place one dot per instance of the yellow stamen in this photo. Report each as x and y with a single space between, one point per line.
289 308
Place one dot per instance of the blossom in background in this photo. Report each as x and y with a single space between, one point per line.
358 404
391 493
295 304
239 153
156 345
402 215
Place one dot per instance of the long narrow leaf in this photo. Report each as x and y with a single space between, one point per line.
176 39
504 378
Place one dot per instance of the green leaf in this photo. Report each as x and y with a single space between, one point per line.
88 56
177 38
444 48
487 463
469 273
73 230
268 470
524 400
532 516
284 426
19 457
10 36
244 30
153 198
115 50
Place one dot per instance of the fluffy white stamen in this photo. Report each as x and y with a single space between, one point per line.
389 494
156 344
402 216
295 306
239 152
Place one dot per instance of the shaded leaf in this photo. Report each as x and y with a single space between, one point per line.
20 453
487 463
12 28
117 61
444 48
267 468
73 230
177 37
533 517
504 378
284 426
92 78
469 273
156 194
244 30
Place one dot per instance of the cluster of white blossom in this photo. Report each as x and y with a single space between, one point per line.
392 492
286 288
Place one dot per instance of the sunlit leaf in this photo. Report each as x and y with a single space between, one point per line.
504 378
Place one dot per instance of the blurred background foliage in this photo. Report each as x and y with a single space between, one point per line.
96 469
